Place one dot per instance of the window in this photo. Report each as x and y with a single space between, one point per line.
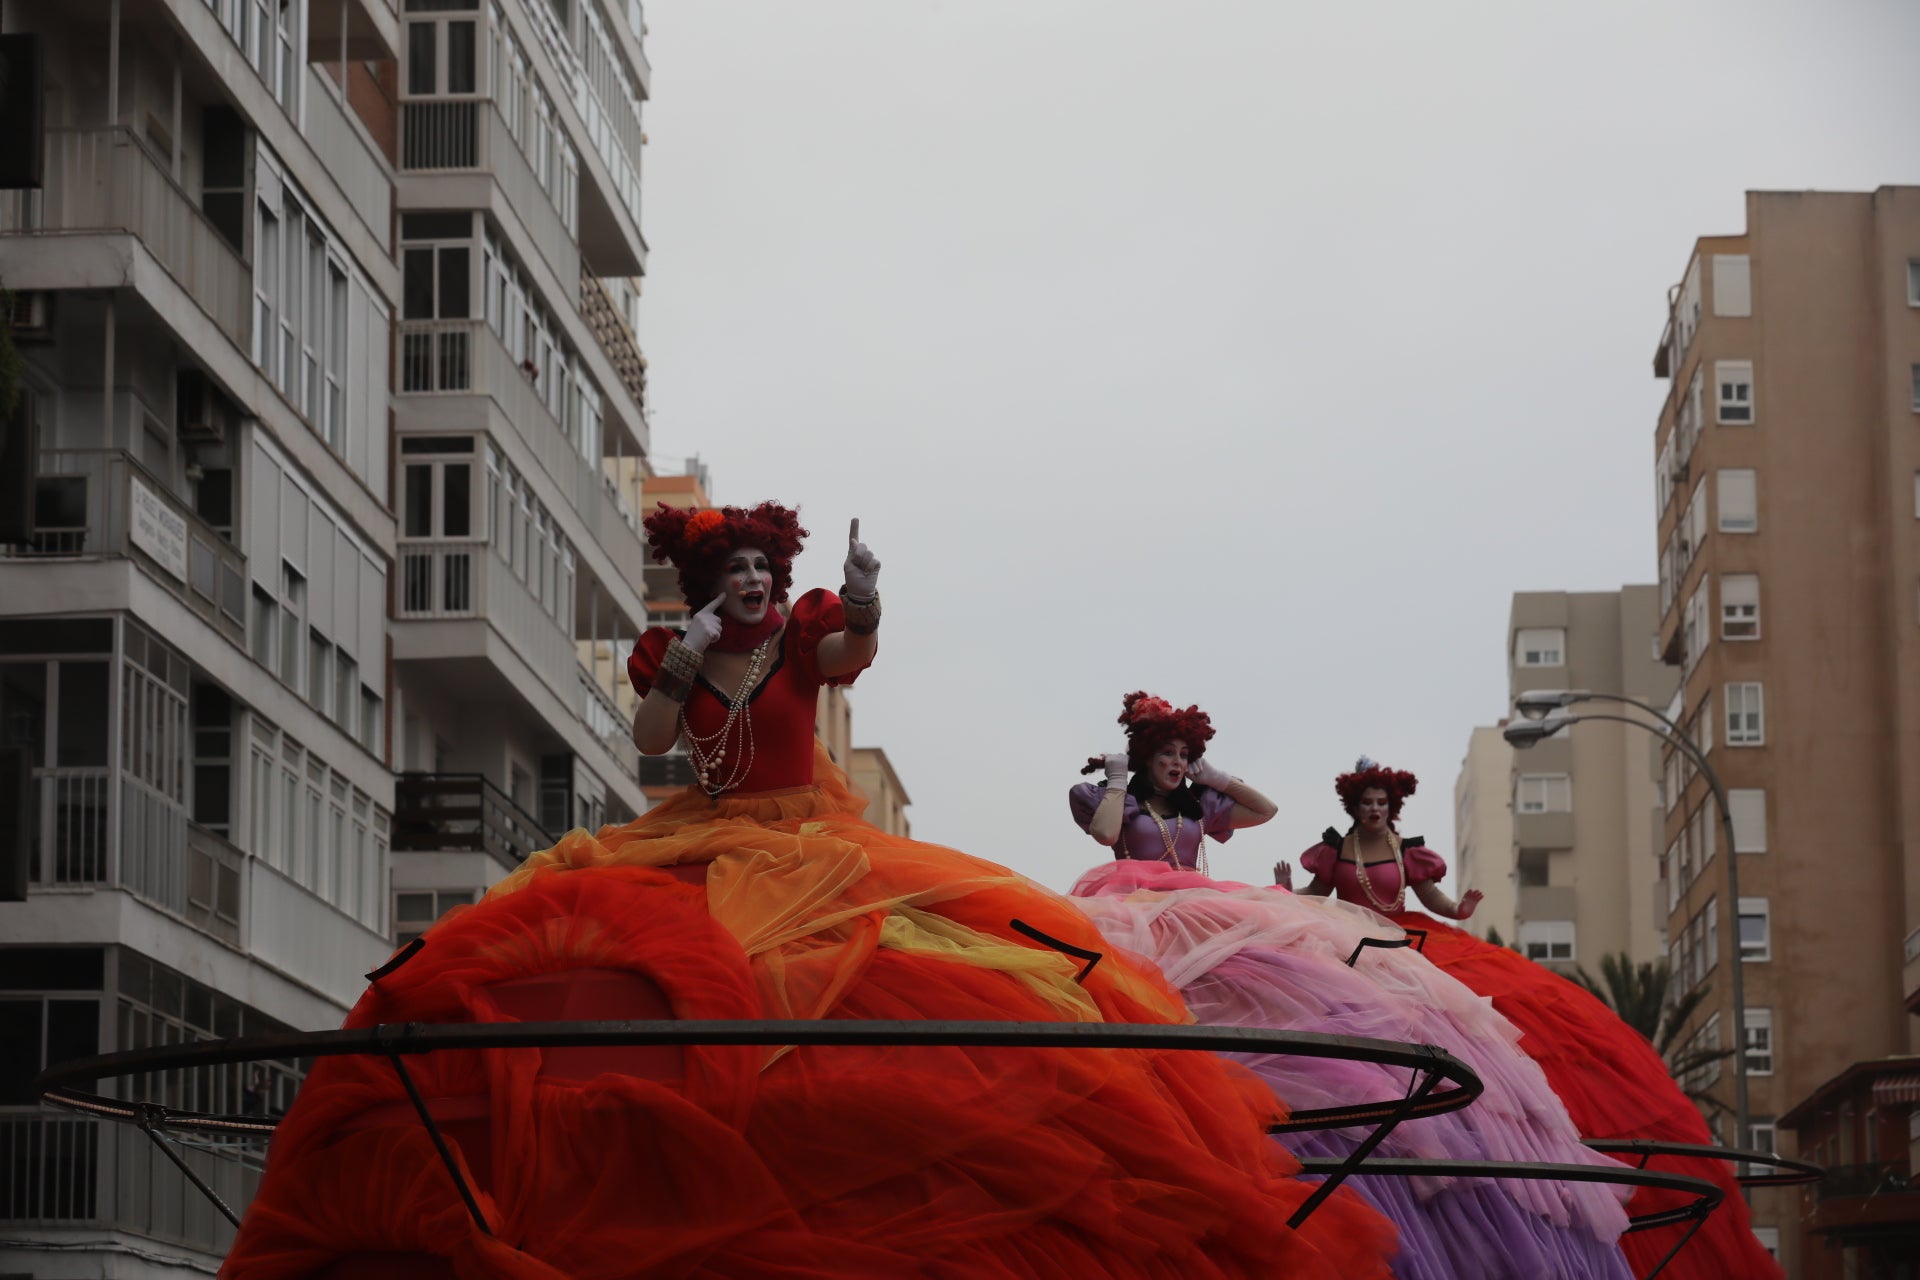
1738 501
266 291
1543 793
1913 284
1740 606
1532 868
414 913
1695 629
293 609
1769 1238
346 692
1749 812
1916 388
1760 1133
1756 934
1746 720
319 672
372 729
266 612
1735 380
1547 940
435 283
1540 647
1732 284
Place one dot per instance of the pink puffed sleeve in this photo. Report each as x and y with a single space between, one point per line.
813 617
1423 864
1321 861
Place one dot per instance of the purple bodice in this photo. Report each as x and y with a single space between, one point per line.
1140 835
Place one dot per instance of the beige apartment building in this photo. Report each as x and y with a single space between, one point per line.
1582 809
1483 831
1788 482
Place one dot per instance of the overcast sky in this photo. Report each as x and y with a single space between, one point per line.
1250 353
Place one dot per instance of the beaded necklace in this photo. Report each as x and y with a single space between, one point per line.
710 752
1366 886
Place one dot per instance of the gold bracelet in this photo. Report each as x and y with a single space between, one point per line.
683 660
675 685
863 616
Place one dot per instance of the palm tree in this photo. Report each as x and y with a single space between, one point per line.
1640 995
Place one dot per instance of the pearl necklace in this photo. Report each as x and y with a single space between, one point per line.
710 752
1366 886
1171 842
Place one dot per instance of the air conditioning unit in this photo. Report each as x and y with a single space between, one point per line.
199 409
32 317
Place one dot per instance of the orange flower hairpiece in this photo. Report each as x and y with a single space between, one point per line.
702 521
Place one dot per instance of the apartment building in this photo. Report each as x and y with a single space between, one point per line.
1483 851
1788 483
326 314
1585 806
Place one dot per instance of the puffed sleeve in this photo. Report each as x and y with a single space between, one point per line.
643 664
813 617
1423 864
1321 860
1216 813
1083 800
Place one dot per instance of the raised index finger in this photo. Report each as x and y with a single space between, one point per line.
853 530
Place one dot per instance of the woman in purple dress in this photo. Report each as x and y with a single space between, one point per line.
1262 957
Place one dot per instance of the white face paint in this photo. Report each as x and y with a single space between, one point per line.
1168 768
746 586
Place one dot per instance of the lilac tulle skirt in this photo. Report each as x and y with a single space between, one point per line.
1263 957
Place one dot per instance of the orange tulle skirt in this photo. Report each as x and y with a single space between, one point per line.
1614 1086
804 1163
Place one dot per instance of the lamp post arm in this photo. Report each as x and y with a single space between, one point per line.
1683 744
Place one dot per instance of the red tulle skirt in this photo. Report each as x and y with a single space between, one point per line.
806 1163
1614 1086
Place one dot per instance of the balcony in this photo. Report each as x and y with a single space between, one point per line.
1543 830
359 170
105 181
471 136
674 769
451 580
1859 1181
465 357
101 502
462 812
74 1172
1547 902
615 339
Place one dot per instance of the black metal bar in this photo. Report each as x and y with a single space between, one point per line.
166 1148
55 1083
1699 1215
398 958
1708 1196
1420 946
1792 1173
1363 1150
1376 942
440 1145
1048 940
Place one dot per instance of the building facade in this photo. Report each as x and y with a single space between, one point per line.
1483 855
1585 804
326 313
1787 477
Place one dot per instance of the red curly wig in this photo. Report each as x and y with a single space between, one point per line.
1152 722
1397 783
697 542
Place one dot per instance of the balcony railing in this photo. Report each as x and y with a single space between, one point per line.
1854 1181
106 180
671 770
442 580
441 812
73 1171
615 339
101 502
465 357
470 135
606 722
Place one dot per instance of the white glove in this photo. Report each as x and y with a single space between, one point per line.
1209 775
703 628
861 574
1116 765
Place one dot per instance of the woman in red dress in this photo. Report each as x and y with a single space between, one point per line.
761 892
1613 1083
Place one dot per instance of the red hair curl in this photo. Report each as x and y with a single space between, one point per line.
1153 722
1397 783
697 542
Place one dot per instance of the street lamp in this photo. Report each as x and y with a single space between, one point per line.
1543 721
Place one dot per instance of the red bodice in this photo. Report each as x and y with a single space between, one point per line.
1326 862
782 707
